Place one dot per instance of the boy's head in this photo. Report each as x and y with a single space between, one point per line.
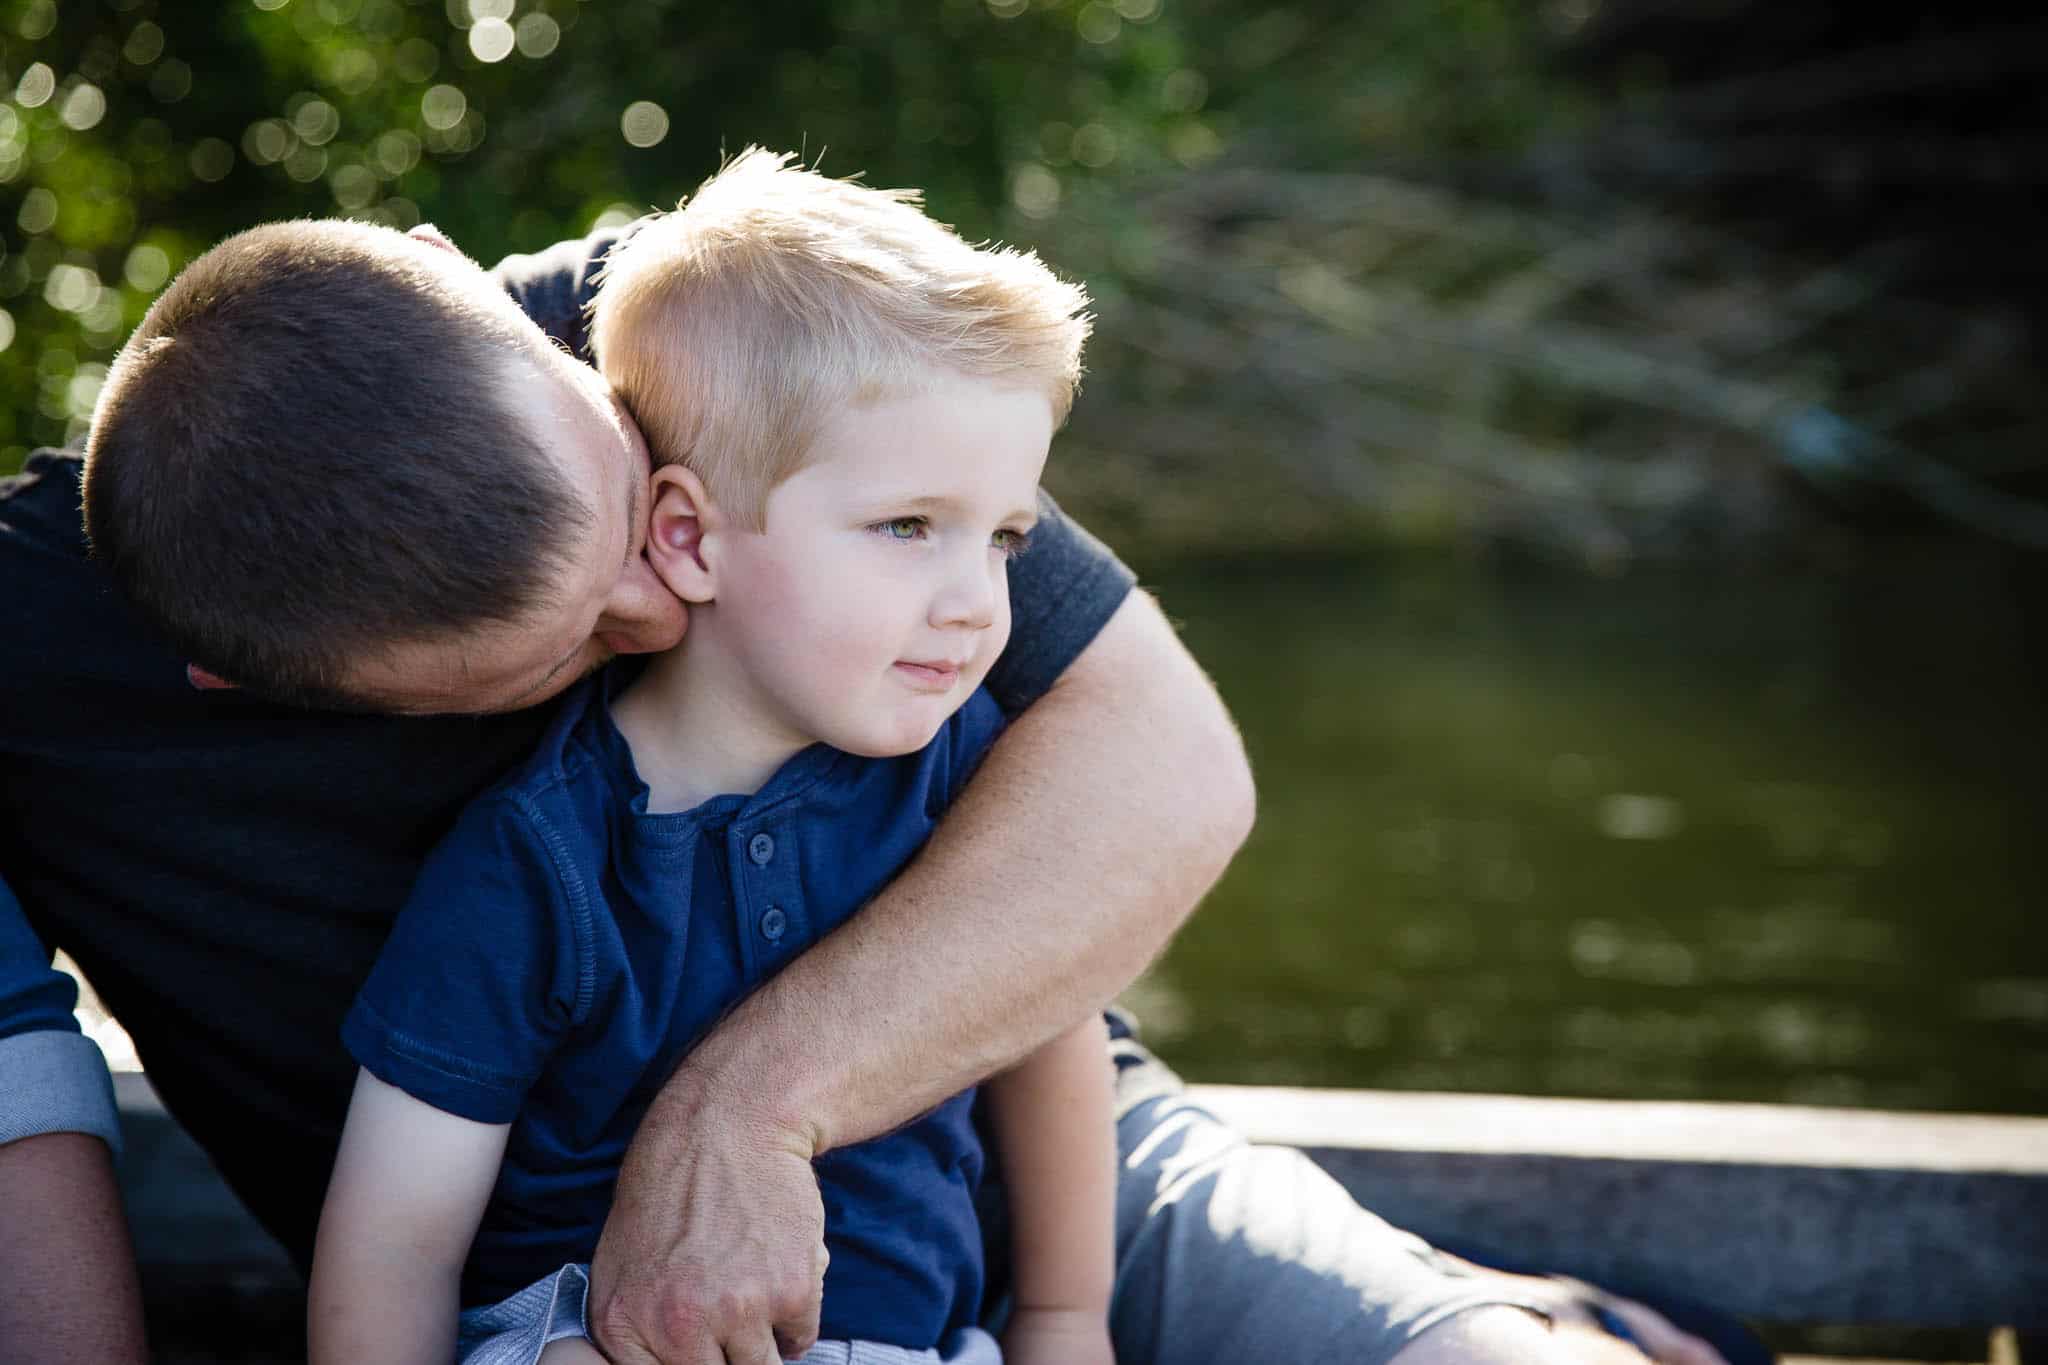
849 409
775 296
337 464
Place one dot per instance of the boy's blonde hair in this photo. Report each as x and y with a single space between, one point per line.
734 326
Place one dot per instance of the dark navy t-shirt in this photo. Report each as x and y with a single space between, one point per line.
225 869
564 949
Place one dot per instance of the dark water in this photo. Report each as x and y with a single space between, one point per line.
1735 836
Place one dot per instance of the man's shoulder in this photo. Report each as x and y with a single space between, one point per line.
557 800
555 285
39 506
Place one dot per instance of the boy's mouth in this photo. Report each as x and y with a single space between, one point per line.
935 675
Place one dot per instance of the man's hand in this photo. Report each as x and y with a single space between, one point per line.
715 1248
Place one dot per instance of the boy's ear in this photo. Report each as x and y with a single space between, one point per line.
681 517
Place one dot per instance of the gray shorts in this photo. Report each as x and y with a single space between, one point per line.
515 1330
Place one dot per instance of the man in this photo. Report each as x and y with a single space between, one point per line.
223 865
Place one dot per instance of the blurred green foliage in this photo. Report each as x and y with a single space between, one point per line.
135 133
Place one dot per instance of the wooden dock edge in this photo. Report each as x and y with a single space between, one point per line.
1777 1214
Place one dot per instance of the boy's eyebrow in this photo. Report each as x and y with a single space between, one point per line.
935 501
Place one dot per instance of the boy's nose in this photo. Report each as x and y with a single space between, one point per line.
641 616
969 597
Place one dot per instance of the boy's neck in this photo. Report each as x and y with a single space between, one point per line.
692 730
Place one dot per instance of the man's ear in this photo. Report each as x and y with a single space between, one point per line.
682 519
207 682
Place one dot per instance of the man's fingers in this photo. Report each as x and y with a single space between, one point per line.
752 1346
796 1328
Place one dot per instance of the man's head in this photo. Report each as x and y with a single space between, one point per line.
736 327
337 465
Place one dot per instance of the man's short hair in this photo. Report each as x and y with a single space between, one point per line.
733 327
308 451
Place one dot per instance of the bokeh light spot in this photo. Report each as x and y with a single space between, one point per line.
416 60
144 45
37 19
644 123
6 329
171 81
352 70
1035 191
1008 9
355 187
271 4
38 211
1185 91
482 11
147 267
1094 145
37 84
491 40
84 389
1098 23
395 153
316 122
538 35
83 108
306 164
212 159
71 288
442 107
1138 11
266 141
613 216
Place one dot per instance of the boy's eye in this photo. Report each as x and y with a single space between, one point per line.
1009 543
900 528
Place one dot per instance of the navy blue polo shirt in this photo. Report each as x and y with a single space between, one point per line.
563 949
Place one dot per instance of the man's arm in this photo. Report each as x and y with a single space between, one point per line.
67 1274
1097 821
65 1263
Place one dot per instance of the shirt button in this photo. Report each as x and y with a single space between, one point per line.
774 923
760 848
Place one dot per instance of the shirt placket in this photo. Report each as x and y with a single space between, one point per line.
773 922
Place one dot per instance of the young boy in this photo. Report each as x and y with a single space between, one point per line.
849 409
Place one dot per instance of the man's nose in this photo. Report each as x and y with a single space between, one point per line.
641 616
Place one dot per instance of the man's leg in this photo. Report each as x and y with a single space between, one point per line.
1232 1251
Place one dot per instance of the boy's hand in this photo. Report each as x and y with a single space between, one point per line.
1058 1336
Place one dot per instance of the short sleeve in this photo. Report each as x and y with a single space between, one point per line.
52 1077
1062 592
484 969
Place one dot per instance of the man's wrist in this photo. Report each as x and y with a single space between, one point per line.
714 1090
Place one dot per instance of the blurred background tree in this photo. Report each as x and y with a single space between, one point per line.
1614 280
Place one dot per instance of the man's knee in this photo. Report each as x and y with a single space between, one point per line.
1512 1336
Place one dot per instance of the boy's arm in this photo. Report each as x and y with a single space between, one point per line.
1096 822
1056 1131
409 1188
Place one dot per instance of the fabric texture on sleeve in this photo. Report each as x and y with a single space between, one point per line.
485 968
1062 591
52 1077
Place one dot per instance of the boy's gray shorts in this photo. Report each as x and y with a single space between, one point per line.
514 1331
1231 1251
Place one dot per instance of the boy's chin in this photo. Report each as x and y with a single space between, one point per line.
893 742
